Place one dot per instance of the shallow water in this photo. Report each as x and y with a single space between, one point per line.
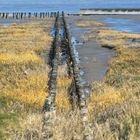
126 25
93 58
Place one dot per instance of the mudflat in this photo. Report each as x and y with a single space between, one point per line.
94 59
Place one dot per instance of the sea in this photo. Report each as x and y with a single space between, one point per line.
70 8
119 24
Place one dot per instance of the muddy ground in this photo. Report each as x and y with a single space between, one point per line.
94 59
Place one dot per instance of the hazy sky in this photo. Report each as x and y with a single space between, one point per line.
67 1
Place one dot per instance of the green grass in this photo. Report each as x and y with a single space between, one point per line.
7 118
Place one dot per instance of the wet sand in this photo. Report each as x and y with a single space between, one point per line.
94 59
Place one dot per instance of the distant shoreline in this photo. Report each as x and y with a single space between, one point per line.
109 11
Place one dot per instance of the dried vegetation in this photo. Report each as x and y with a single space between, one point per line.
114 105
89 24
24 75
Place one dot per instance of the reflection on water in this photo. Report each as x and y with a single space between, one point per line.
126 25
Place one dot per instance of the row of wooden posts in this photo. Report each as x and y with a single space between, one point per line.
23 15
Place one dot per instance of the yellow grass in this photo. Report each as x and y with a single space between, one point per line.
105 97
63 100
24 77
113 104
22 58
31 90
117 34
108 97
125 66
25 37
89 24
63 85
63 82
111 38
112 43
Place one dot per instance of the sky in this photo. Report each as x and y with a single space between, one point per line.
65 1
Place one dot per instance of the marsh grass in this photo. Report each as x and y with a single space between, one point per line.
105 32
24 80
63 85
111 38
114 104
89 24
29 36
24 77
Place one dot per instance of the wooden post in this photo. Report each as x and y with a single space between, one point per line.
29 15
3 15
24 15
13 15
40 15
43 15
35 14
16 15
7 14
21 15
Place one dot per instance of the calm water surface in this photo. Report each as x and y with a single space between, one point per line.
126 25
72 8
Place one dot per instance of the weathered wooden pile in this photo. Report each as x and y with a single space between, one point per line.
62 38
29 15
